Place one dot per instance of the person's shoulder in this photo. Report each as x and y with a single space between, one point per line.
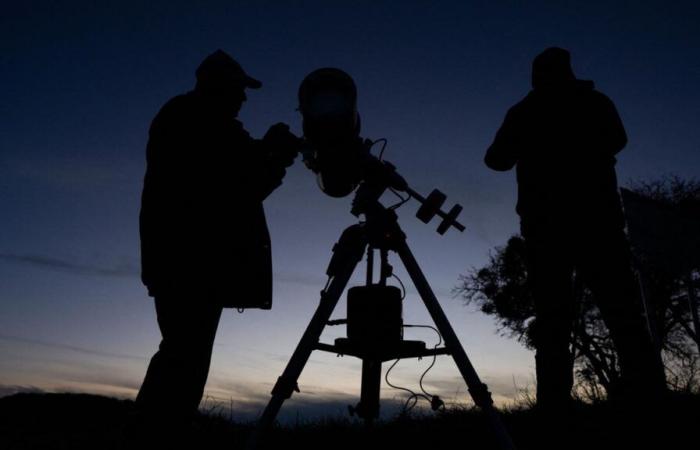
598 99
179 105
522 106
587 89
598 95
175 110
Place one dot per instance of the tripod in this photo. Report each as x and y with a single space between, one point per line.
380 231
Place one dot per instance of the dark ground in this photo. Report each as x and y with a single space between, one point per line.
80 421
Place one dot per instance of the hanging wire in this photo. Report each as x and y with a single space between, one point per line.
400 203
402 199
432 364
412 400
403 288
381 150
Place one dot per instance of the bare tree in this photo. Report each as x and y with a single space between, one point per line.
500 289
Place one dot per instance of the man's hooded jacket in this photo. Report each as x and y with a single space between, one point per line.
562 138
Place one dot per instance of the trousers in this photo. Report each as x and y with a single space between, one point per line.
602 259
178 371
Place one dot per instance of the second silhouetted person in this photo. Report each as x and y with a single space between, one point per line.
562 138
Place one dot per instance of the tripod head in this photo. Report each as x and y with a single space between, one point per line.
342 159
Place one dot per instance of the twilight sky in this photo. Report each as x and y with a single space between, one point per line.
81 82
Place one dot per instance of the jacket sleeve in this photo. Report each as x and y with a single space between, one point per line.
168 166
268 172
612 135
275 151
503 153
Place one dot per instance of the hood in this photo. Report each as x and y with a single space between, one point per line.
552 67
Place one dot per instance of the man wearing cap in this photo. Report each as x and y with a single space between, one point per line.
562 138
204 239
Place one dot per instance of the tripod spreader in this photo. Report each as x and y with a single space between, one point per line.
407 349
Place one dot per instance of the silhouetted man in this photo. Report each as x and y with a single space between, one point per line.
204 239
563 138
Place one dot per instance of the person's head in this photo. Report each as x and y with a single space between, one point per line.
552 68
223 82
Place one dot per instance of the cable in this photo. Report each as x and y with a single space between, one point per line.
435 401
432 364
412 398
403 288
396 193
381 151
384 142
403 200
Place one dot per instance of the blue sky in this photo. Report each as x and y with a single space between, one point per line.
82 80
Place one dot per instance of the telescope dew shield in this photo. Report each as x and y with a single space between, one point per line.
331 125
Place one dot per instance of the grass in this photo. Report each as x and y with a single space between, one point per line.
80 421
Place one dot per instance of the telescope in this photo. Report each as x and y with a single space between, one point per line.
343 163
341 159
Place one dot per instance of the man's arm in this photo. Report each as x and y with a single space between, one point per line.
503 153
276 151
167 165
613 137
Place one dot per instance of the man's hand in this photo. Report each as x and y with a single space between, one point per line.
283 145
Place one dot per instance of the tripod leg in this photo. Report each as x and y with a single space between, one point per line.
368 409
477 389
349 253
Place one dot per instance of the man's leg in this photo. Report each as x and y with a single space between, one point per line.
175 380
607 268
550 278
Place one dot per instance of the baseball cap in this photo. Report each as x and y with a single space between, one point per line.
220 68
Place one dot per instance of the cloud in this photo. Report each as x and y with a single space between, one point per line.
305 280
108 384
132 270
78 172
57 345
126 270
48 262
11 389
